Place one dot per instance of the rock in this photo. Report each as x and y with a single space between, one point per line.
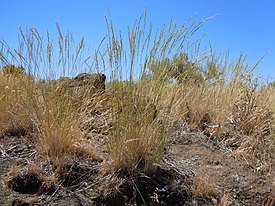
95 80
82 84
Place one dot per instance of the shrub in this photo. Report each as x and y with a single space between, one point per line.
13 70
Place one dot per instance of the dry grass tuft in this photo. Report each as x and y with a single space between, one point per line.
154 78
14 120
204 189
226 200
136 130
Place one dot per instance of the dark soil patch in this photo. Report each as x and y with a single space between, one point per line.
26 184
16 132
18 202
77 173
164 187
192 154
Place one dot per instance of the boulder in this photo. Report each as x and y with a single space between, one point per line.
83 83
95 80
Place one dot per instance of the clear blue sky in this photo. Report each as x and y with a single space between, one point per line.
241 25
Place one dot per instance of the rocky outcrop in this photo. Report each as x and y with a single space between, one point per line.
83 83
95 80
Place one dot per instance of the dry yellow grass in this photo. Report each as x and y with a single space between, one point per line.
204 188
147 92
13 92
136 130
48 115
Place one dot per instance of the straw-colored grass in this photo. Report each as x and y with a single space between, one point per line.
138 137
155 77
13 92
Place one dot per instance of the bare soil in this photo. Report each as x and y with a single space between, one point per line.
196 169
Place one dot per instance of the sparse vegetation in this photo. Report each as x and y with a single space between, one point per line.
156 78
204 189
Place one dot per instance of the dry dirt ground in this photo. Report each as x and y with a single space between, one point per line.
195 170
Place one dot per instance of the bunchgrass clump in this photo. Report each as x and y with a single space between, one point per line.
14 87
47 108
138 137
155 77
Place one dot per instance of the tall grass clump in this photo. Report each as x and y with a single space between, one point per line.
50 106
13 85
138 80
167 68
141 125
225 100
157 76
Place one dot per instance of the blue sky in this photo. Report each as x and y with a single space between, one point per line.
241 25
